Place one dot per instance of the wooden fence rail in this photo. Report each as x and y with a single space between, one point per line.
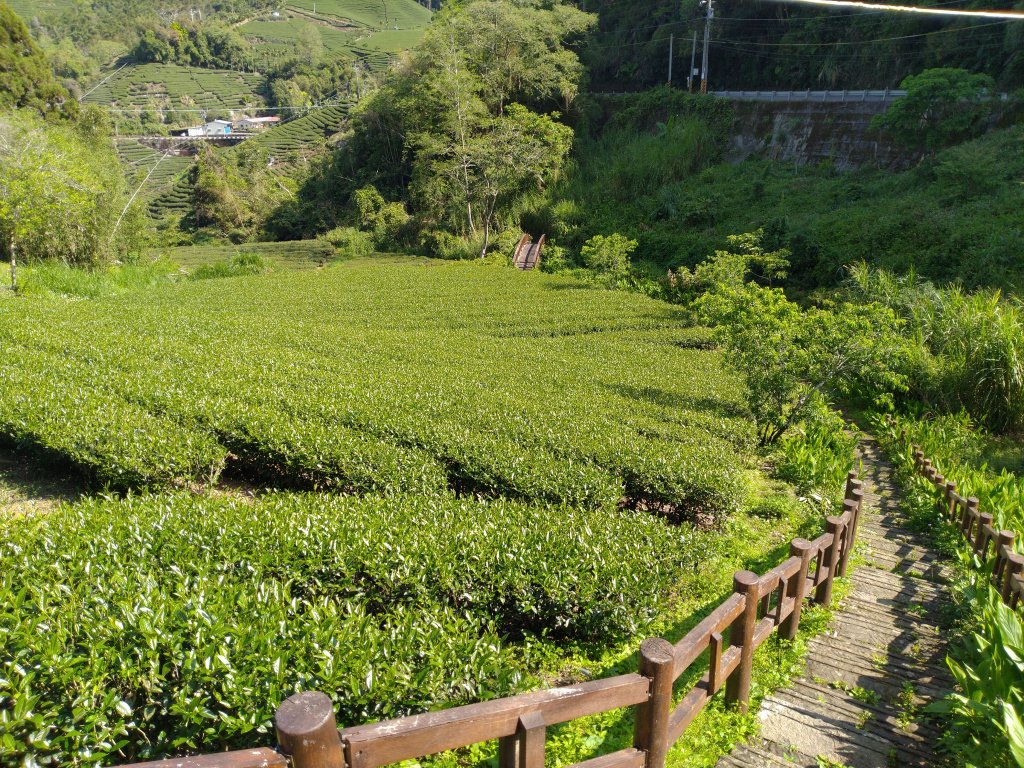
976 527
308 736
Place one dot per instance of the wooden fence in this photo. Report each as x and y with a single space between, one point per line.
976 526
308 736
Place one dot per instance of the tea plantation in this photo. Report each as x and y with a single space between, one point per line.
393 14
480 472
378 379
170 85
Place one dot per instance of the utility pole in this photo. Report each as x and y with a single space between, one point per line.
707 38
693 58
671 41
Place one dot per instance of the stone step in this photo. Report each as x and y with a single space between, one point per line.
879 717
761 756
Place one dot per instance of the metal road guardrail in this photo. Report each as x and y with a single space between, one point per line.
883 96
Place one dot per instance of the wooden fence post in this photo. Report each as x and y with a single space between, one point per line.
796 588
1004 544
737 687
823 594
657 661
850 505
307 731
851 481
967 520
1014 565
950 500
980 542
525 749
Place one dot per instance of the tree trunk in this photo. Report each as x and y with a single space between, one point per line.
14 267
487 234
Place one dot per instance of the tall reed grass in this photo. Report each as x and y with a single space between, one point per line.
970 345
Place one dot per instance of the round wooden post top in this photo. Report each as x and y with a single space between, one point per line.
658 650
307 731
745 581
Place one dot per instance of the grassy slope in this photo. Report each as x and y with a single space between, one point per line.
953 217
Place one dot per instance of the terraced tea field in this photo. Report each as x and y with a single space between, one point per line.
429 378
276 39
29 9
375 14
172 86
303 132
140 159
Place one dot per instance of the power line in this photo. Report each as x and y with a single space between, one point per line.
865 42
947 30
987 14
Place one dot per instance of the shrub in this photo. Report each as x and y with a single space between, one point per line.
942 106
239 265
609 255
350 241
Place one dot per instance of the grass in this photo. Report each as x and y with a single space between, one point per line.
298 254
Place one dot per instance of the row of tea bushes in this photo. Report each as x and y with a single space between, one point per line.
373 378
173 623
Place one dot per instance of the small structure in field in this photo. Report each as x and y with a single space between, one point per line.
527 254
256 123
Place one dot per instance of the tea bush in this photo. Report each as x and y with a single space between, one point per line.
166 624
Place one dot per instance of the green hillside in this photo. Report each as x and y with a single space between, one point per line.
173 87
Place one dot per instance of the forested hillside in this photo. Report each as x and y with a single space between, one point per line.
779 46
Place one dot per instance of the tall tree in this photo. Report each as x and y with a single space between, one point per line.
62 194
25 76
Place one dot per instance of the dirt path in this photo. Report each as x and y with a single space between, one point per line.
28 489
881 661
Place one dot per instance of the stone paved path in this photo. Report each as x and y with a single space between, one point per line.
882 659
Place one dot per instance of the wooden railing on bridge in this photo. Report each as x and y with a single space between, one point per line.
308 736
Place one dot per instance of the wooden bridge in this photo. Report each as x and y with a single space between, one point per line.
527 253
867 677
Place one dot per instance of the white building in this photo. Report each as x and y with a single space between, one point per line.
256 123
213 128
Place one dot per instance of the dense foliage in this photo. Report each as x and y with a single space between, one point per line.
650 167
784 47
468 126
62 194
25 73
942 107
968 348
